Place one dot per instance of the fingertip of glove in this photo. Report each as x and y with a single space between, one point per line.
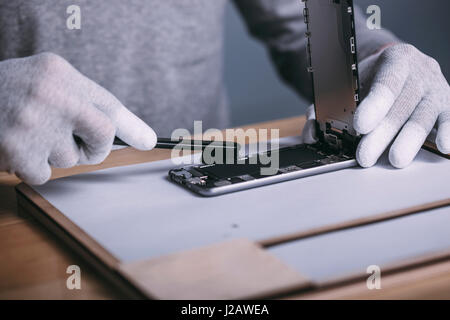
443 144
139 136
149 139
134 131
365 118
397 159
372 109
364 158
359 129
360 124
365 163
146 139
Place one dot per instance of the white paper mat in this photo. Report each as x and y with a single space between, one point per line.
135 212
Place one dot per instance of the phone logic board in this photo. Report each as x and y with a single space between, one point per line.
293 162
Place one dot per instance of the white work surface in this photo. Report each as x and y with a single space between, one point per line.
135 212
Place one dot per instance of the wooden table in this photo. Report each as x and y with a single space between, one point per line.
33 262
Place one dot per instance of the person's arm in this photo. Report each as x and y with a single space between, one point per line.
404 93
280 26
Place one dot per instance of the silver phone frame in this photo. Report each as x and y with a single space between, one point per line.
216 191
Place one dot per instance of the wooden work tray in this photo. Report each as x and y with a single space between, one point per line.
233 269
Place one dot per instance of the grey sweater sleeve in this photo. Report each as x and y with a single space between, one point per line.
280 25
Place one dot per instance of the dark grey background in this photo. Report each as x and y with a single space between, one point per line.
256 93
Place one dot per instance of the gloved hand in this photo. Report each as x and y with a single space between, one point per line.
405 94
44 103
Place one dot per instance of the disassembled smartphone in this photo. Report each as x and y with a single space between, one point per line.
333 67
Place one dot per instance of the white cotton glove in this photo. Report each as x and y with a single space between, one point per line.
44 104
405 95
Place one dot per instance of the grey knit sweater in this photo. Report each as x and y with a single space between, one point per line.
163 58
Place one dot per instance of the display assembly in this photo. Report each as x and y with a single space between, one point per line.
332 57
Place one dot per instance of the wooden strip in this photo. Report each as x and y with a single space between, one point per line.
354 223
237 269
393 277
